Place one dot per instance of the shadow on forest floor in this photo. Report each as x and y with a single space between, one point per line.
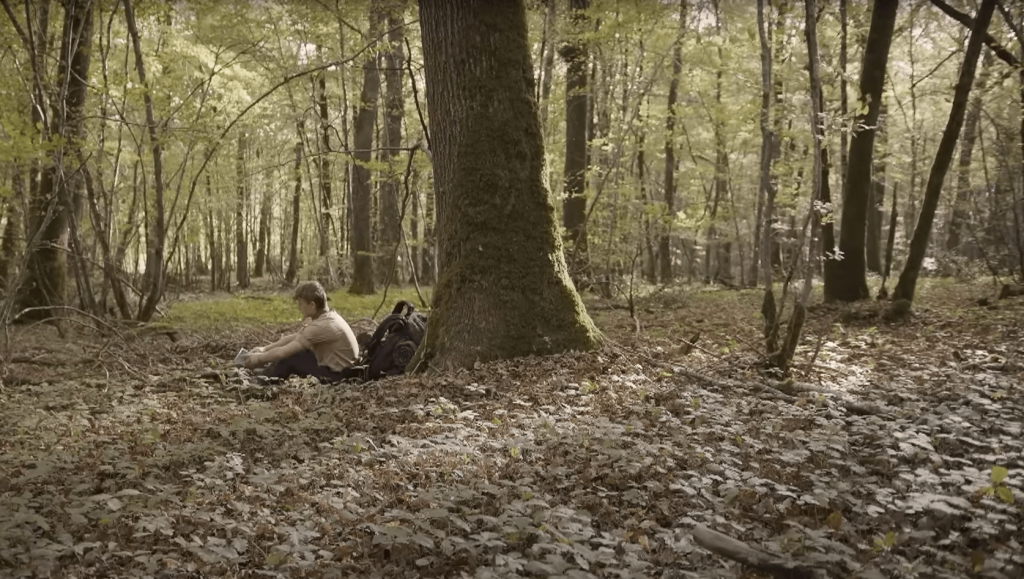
118 459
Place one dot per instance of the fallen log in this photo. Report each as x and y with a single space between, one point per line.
755 558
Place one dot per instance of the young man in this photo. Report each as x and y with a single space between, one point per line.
324 347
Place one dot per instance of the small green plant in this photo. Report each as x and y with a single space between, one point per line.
885 542
997 488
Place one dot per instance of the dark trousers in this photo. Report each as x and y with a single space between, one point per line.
302 364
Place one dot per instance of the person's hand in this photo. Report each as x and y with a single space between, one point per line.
258 350
253 360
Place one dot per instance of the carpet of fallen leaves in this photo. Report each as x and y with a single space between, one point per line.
125 456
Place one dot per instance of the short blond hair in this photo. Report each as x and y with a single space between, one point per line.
312 291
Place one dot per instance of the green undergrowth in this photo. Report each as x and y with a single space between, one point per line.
271 308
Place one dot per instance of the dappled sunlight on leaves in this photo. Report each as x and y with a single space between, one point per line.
578 465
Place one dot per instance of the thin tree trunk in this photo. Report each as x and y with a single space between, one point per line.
574 204
721 250
262 235
890 241
363 282
907 284
665 243
293 244
13 227
394 112
843 96
650 264
766 192
344 223
241 201
849 279
548 61
970 134
876 196
820 174
469 48
414 230
323 164
154 275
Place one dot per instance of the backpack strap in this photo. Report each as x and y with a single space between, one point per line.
408 306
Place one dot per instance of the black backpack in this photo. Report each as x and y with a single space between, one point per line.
394 343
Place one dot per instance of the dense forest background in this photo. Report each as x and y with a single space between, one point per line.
189 145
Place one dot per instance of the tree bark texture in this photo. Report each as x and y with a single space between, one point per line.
503 287
849 282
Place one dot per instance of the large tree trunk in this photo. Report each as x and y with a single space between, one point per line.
360 239
500 257
970 134
51 205
876 197
665 243
848 281
394 112
293 242
933 190
574 204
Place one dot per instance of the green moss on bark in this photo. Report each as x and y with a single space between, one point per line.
504 289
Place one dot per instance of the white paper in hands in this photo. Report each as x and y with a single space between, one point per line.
242 357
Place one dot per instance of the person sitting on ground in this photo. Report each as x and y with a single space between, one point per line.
324 348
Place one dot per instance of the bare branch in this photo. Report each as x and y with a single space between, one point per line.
1003 54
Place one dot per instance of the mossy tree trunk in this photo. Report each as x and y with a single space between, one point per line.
503 287
947 144
361 242
847 281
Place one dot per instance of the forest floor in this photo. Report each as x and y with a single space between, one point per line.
897 451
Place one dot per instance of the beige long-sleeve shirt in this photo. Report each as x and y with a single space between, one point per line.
328 336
